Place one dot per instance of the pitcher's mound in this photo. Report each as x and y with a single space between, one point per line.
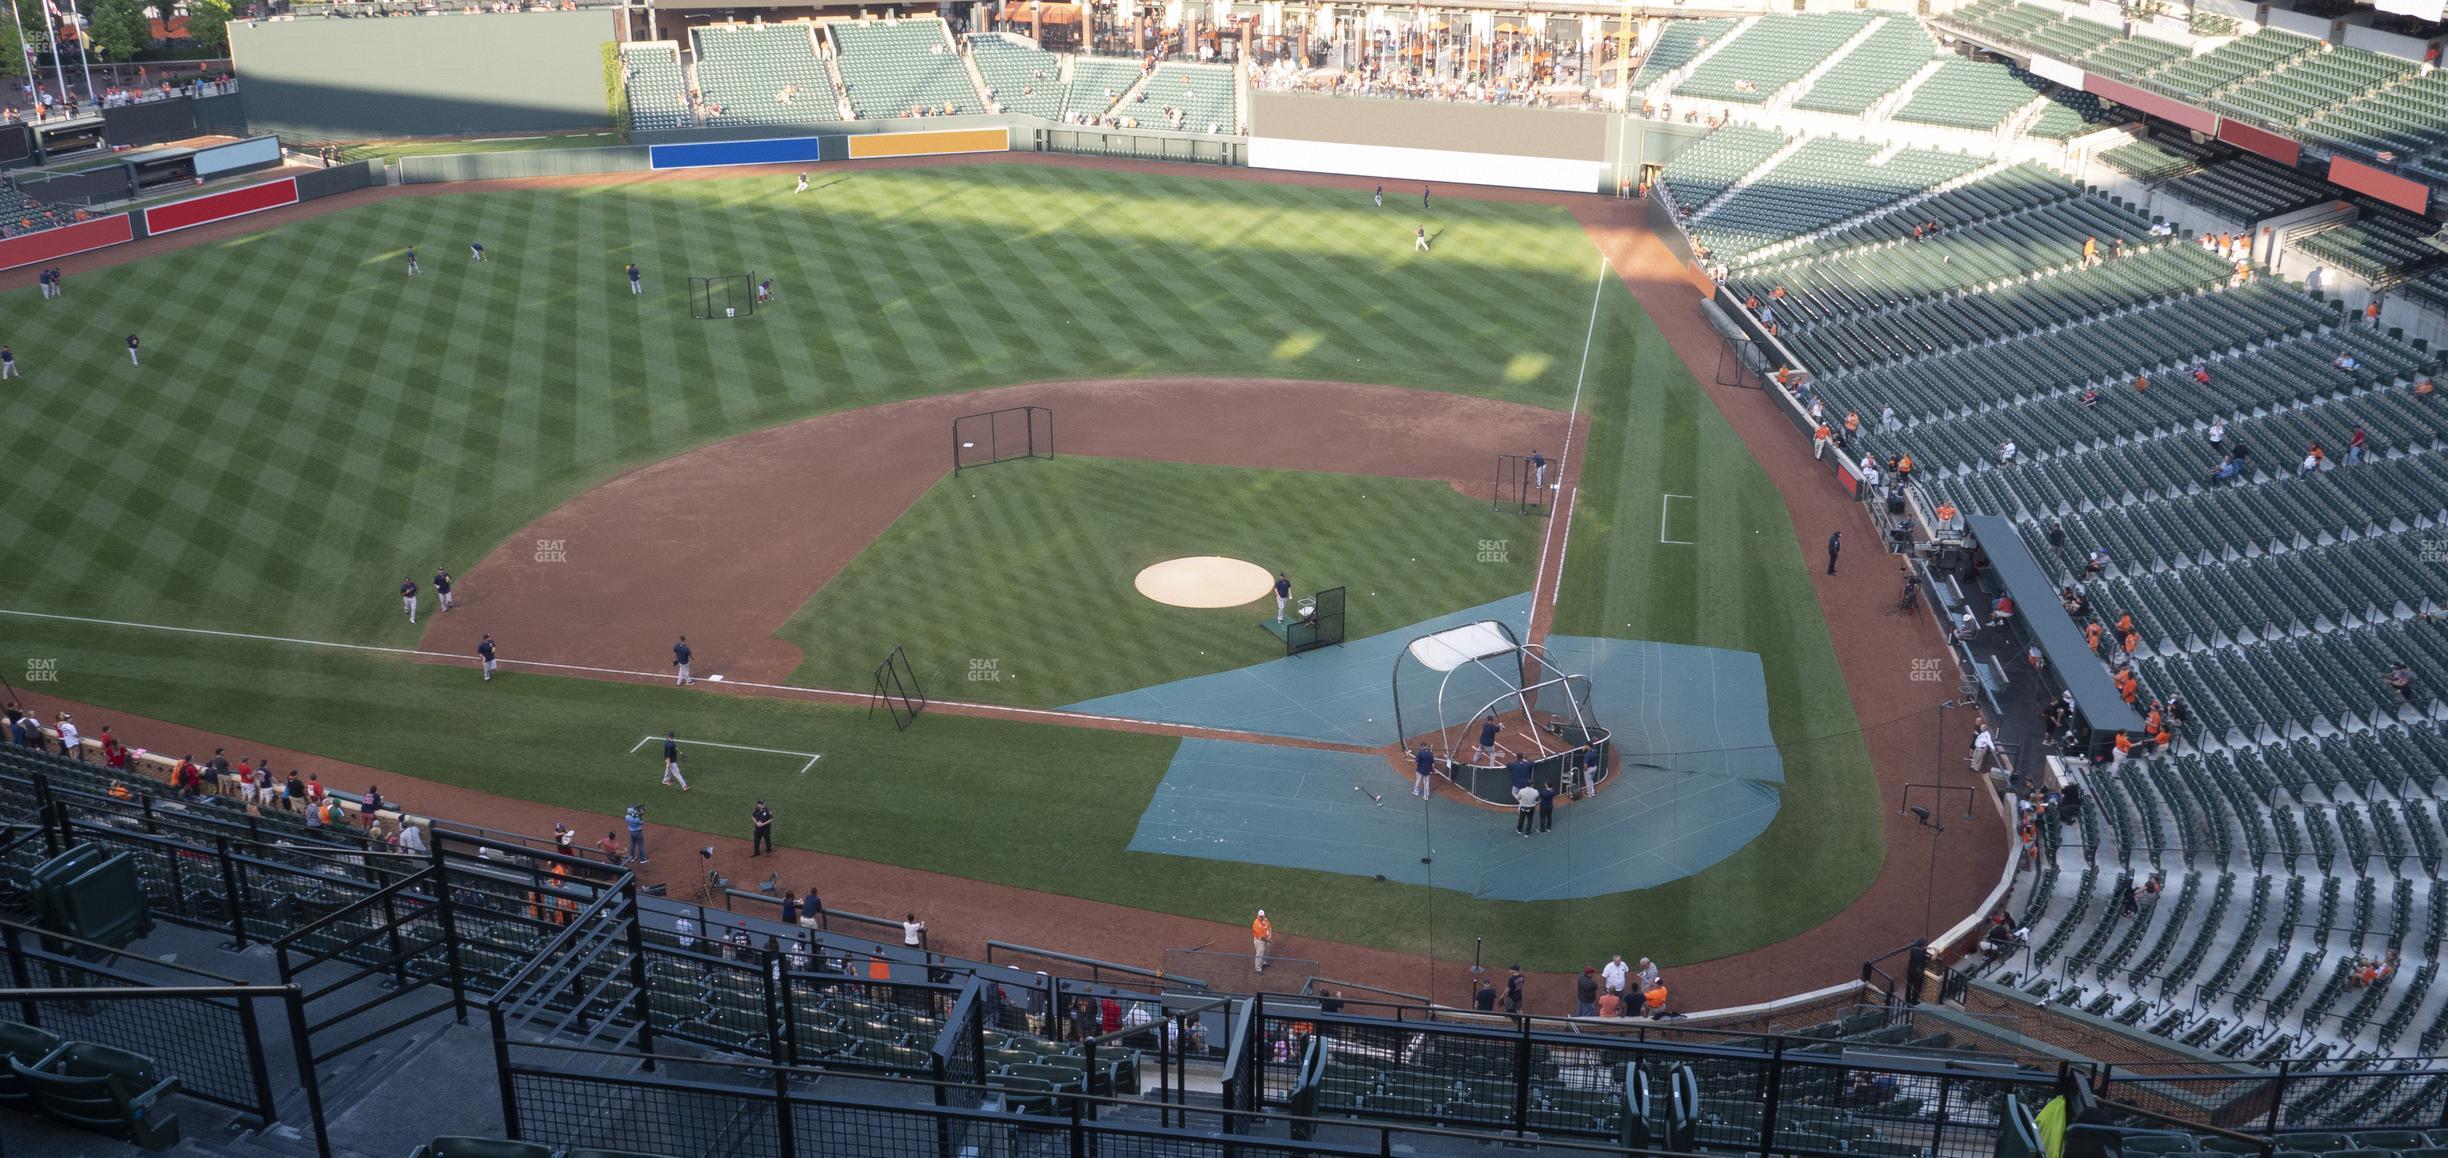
1204 581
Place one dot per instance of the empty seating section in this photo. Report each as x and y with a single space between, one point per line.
2154 159
2054 437
764 74
2002 20
1875 68
1967 94
2378 244
2313 82
2069 39
900 68
1877 265
1951 323
2407 119
2212 72
2059 364
1702 171
1020 76
1204 97
1099 82
1822 183
2134 57
1773 52
2069 114
1677 44
2246 188
658 92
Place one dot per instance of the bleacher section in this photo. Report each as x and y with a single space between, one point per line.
2246 188
2069 114
1676 44
2380 244
1705 169
2316 82
1967 94
2154 159
1876 68
2297 827
900 68
2139 56
763 74
1770 53
658 92
1819 184
2205 76
1093 77
2409 119
1020 76
1204 96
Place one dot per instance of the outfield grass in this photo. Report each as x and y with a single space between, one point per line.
310 424
1024 573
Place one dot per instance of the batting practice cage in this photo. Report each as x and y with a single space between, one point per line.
1448 685
993 436
732 295
1521 485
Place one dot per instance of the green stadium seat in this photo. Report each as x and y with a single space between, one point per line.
108 1091
27 1044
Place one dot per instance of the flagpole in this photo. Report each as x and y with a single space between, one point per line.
83 65
51 34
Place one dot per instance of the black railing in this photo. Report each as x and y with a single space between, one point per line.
203 1028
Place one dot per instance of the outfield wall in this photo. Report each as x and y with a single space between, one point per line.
426 76
1566 150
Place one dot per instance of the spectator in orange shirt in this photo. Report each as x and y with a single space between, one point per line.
2132 643
2125 623
1819 440
2141 382
2091 635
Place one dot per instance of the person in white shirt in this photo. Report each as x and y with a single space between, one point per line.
411 836
2006 452
913 932
70 743
1613 974
687 930
1648 974
1984 748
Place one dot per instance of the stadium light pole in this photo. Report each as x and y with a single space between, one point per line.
51 33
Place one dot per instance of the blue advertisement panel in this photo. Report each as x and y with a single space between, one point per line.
771 151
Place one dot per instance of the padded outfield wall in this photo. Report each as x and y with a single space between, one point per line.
424 76
1568 150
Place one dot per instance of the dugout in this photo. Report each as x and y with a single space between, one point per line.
66 137
16 143
155 168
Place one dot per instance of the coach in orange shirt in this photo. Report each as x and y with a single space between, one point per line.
1262 938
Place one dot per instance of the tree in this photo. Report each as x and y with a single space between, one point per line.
120 28
208 25
13 49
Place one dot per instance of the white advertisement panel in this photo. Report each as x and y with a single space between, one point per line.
1430 165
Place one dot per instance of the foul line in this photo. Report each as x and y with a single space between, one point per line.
1047 714
1663 500
813 757
1572 419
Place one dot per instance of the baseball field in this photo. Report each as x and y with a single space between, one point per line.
215 538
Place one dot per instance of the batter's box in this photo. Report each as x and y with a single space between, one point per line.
686 744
